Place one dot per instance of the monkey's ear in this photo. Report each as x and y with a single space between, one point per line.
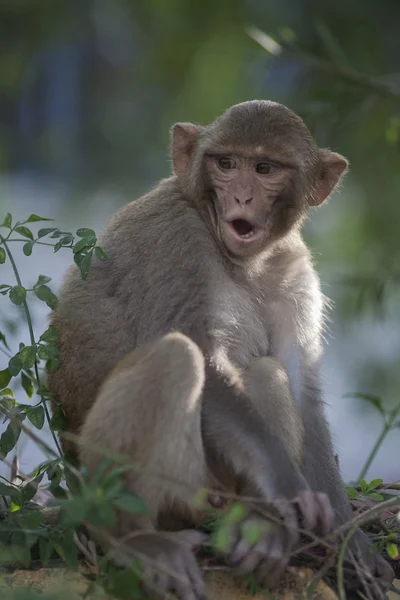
184 138
333 168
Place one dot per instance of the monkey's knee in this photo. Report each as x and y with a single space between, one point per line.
268 387
179 362
149 408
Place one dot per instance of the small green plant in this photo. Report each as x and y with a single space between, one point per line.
78 499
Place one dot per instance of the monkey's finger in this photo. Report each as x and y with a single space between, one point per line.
326 513
308 509
271 570
291 523
196 577
192 538
239 552
251 560
184 588
154 584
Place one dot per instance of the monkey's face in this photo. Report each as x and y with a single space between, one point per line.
258 168
251 199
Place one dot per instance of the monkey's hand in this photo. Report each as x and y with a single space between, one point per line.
371 563
167 563
263 546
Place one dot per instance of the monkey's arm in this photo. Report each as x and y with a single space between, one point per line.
228 416
242 438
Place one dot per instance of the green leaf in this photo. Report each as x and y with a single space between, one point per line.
7 401
66 549
131 503
24 231
5 377
236 513
27 385
85 232
392 550
222 538
4 289
58 246
3 339
2 256
57 422
73 482
45 294
45 550
375 496
374 400
27 248
48 351
28 491
125 584
42 279
80 245
17 294
52 365
85 264
50 335
374 484
20 549
14 365
54 474
363 485
5 489
67 239
73 511
251 532
7 221
352 493
10 436
36 416
107 515
46 231
7 392
100 254
35 218
27 357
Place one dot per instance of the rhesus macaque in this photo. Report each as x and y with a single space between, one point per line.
195 348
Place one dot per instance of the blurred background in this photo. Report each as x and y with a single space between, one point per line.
90 88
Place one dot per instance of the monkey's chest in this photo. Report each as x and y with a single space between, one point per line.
239 329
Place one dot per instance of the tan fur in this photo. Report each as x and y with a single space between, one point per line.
234 397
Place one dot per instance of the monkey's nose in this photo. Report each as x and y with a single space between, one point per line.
243 201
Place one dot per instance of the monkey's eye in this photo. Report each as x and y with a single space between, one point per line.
226 163
265 168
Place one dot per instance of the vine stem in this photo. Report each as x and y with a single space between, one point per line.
388 425
32 338
27 240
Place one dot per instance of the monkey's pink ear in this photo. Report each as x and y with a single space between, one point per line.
184 138
333 168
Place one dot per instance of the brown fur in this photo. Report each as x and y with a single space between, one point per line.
210 406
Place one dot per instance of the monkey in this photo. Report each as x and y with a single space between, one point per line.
195 349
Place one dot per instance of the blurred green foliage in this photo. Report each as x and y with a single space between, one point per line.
89 90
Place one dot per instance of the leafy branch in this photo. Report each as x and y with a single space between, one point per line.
45 348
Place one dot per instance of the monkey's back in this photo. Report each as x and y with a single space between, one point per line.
130 299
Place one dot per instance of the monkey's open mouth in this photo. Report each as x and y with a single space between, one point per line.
242 227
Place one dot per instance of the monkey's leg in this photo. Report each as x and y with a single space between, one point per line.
149 409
